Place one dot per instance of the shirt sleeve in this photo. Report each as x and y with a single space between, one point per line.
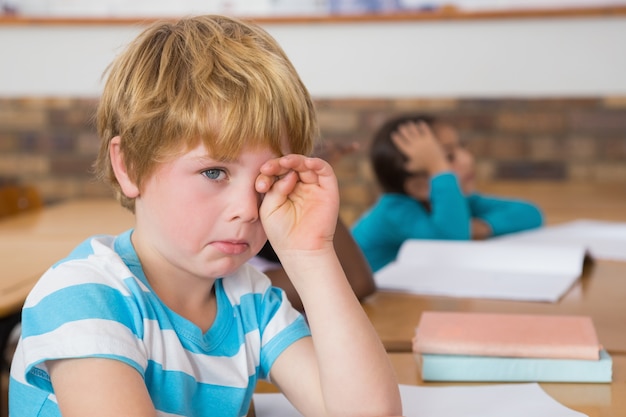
449 216
72 313
505 215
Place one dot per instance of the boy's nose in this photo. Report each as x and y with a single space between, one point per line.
245 206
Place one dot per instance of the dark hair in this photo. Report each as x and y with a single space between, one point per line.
387 160
267 253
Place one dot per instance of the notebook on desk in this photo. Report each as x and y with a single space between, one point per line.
507 334
470 368
492 347
483 269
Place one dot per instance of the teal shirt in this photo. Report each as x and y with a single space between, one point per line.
395 218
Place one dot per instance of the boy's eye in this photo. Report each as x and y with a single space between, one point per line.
214 174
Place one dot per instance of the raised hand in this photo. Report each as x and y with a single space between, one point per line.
301 203
422 149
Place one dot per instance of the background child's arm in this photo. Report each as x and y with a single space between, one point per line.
344 370
356 268
505 215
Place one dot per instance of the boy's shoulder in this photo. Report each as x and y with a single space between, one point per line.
92 261
106 253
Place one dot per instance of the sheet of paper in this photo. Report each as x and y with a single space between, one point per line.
498 270
602 239
496 400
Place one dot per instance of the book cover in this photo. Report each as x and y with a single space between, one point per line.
512 335
502 369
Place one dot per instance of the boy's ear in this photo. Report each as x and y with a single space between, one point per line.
128 186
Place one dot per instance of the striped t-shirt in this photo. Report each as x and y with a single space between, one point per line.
98 303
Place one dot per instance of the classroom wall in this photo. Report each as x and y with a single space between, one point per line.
526 57
51 142
534 98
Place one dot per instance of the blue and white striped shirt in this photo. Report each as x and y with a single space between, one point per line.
98 303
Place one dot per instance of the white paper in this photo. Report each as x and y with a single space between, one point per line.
483 269
602 239
496 400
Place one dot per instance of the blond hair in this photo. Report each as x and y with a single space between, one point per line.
207 79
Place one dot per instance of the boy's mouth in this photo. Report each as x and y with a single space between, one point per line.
231 247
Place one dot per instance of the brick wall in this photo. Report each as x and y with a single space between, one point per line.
52 142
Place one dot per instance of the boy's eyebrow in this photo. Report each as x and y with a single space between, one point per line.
208 159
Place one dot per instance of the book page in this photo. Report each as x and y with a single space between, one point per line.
602 239
508 271
498 400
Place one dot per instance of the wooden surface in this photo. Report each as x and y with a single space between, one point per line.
566 201
33 241
594 400
76 218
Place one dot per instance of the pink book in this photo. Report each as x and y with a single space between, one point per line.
513 335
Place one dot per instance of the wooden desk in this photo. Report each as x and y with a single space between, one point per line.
566 201
594 400
600 293
80 218
31 242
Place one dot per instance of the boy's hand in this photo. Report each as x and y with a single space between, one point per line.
424 152
301 203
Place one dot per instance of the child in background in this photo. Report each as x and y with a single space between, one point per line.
204 125
428 184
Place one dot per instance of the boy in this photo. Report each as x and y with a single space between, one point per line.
204 126
427 179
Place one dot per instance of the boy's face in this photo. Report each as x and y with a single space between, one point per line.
199 216
461 160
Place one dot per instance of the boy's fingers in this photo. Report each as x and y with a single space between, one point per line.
264 182
304 169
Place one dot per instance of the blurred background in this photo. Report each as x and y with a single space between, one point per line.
536 88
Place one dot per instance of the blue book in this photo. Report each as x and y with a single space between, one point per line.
435 367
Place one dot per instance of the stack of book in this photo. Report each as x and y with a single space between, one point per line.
467 346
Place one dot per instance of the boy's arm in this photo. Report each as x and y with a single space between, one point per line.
91 387
344 369
353 262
